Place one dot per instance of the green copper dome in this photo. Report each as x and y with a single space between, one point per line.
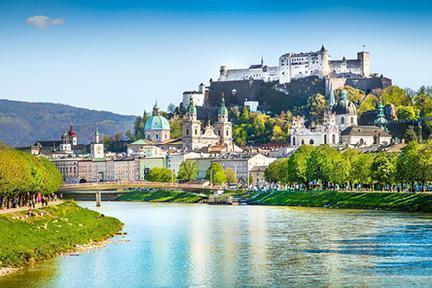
344 106
191 108
380 119
222 108
156 122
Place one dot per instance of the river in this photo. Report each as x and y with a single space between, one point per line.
171 245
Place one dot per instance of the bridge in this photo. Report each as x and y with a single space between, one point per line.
121 186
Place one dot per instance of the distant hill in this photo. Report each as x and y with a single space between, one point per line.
23 123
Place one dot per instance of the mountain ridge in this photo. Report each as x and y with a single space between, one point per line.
22 123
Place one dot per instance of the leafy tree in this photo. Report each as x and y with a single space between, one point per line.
354 95
424 164
361 169
407 164
384 168
298 165
158 174
321 165
407 113
231 176
216 174
188 170
368 104
277 171
410 134
317 105
395 95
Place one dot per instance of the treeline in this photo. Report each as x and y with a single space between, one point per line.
188 171
327 168
23 176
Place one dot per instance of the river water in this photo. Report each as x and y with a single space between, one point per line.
170 245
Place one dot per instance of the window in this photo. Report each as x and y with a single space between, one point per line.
157 136
342 120
187 131
302 142
219 133
311 142
325 139
352 120
294 141
196 131
334 139
227 132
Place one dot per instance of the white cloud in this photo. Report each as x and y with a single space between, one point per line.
40 21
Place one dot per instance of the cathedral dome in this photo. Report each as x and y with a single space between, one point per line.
344 106
157 123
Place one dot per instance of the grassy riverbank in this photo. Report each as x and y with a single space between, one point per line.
415 202
161 196
53 230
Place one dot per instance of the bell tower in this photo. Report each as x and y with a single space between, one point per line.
223 127
191 128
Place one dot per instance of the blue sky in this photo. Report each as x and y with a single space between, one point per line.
121 56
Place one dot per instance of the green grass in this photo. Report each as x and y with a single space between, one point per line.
351 200
161 196
62 227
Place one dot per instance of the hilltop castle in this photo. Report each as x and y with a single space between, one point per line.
299 65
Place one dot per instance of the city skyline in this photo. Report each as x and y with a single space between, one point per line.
121 57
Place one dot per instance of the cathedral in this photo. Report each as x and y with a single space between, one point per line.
218 135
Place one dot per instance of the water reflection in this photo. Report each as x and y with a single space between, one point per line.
218 246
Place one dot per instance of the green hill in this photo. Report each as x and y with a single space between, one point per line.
23 123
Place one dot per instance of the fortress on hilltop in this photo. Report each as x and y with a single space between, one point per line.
300 65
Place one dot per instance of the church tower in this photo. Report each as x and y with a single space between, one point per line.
223 127
97 148
191 128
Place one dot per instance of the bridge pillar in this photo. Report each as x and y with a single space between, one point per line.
98 198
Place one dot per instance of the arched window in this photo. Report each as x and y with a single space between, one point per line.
157 136
219 133
325 139
187 131
302 142
311 142
227 132
196 131
342 120
148 136
352 120
334 139
294 141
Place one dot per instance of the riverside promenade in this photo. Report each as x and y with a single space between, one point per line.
25 208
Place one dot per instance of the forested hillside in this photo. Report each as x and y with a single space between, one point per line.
22 123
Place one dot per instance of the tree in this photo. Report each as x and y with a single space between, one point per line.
354 95
216 174
368 104
407 167
158 174
317 105
424 164
384 168
395 95
321 165
410 134
361 169
231 176
407 113
188 170
297 165
277 171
